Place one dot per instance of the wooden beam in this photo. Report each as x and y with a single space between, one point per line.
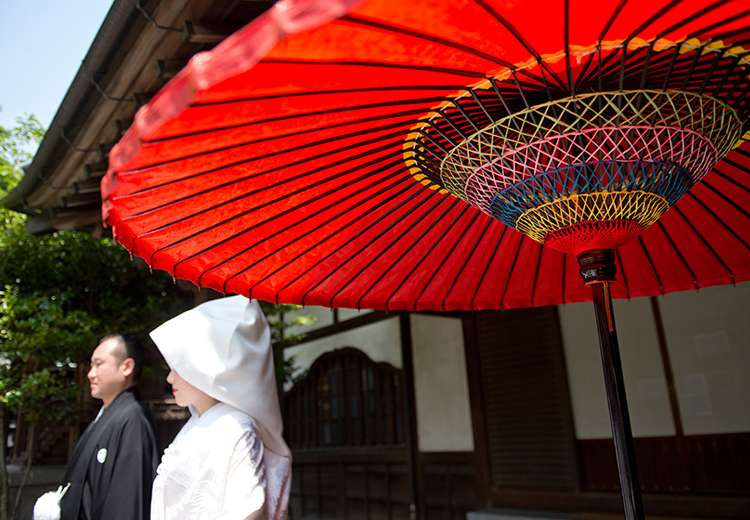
206 33
81 200
667 366
167 69
91 185
96 169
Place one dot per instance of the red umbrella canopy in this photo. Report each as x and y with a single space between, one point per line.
448 155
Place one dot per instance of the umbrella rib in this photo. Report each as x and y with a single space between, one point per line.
434 39
251 193
677 48
693 64
726 21
702 31
335 232
510 271
377 182
636 66
458 106
736 206
384 117
445 42
382 233
717 60
487 267
678 25
639 29
271 219
705 243
382 251
447 255
500 96
679 252
602 34
432 248
264 205
624 274
564 275
362 231
536 275
613 71
710 77
305 93
379 64
473 250
408 252
568 68
651 264
289 117
644 73
523 41
481 104
718 219
237 180
709 8
729 179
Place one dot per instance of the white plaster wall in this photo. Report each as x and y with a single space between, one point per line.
380 340
708 338
645 385
441 387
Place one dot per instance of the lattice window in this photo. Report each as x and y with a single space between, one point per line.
346 399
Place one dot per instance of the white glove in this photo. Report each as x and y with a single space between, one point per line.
47 506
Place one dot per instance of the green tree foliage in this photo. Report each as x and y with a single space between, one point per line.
282 318
59 293
17 146
92 275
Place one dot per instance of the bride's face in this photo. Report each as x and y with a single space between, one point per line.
184 393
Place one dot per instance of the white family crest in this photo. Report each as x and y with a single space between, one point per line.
101 455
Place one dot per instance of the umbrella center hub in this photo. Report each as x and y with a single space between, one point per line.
594 170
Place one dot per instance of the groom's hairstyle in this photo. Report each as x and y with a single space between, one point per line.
128 347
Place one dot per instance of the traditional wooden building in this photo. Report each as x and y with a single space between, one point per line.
507 410
439 415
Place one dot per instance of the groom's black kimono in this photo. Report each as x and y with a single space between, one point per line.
113 465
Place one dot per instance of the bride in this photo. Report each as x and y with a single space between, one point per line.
229 461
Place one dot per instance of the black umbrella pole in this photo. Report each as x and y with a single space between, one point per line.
598 270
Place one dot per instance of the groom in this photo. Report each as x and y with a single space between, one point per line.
115 460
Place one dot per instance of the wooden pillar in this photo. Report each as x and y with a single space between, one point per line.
407 363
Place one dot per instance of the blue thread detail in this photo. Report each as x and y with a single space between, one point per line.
665 178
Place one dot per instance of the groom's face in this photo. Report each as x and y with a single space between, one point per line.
109 372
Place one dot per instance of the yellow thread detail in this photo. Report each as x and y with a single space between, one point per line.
640 206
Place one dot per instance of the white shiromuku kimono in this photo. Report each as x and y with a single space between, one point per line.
231 463
213 469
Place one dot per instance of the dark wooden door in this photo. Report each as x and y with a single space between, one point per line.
520 401
345 423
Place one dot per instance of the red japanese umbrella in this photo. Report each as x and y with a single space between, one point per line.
453 155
